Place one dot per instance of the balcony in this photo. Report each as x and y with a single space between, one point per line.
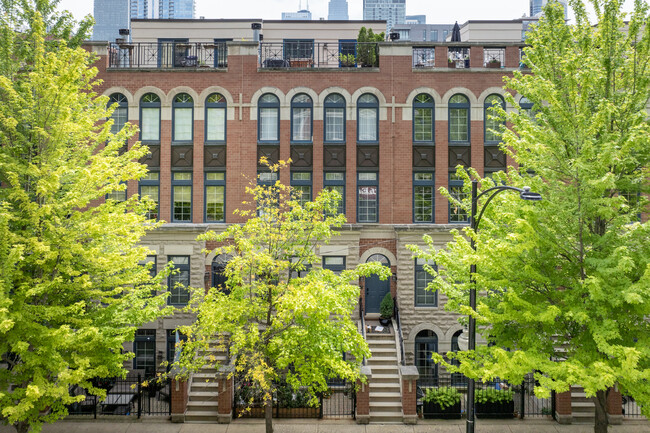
310 54
167 55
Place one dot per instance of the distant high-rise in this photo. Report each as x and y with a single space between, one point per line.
536 7
110 17
415 19
141 9
393 11
302 14
338 10
176 9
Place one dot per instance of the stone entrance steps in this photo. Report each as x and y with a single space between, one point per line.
583 409
203 390
385 397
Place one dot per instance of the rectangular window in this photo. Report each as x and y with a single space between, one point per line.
150 188
335 181
179 281
458 124
269 124
181 197
150 124
335 124
367 197
117 195
368 124
423 124
301 184
335 264
433 35
423 197
301 124
423 297
144 348
457 214
119 119
173 336
215 196
153 269
182 124
215 124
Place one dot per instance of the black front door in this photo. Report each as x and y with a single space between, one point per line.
376 289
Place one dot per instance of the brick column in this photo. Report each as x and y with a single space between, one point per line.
476 57
226 394
441 54
178 399
563 413
614 406
512 57
409 376
363 397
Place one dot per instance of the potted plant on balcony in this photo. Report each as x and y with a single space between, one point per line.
347 60
451 63
443 402
494 403
494 63
386 309
367 47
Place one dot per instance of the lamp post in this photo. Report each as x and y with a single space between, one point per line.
524 194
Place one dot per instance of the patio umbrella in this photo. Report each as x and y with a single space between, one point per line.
455 33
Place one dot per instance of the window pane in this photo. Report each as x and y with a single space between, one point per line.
150 125
182 203
215 176
458 124
216 128
301 176
179 295
151 191
119 119
301 124
334 124
423 124
457 213
424 176
340 190
182 176
214 203
367 204
151 176
116 195
182 124
269 124
367 176
334 176
367 124
422 296
423 204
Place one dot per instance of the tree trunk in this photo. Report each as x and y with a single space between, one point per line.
21 427
600 402
268 415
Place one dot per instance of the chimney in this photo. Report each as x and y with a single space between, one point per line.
256 31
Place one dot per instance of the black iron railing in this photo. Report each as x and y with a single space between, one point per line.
308 54
168 55
458 57
631 409
494 57
399 330
424 57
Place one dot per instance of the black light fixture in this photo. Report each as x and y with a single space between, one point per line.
394 36
125 32
256 26
526 194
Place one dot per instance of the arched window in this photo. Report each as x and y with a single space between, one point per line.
215 118
219 278
121 113
334 118
302 108
426 343
492 125
268 115
526 106
423 120
379 258
459 119
150 118
183 115
368 118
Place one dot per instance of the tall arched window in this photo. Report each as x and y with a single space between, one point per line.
368 118
302 108
334 118
268 115
459 119
426 343
423 120
219 278
121 113
215 118
150 118
183 115
492 125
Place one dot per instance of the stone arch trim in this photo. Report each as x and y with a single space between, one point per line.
284 107
452 330
132 103
165 110
198 105
230 102
407 112
317 113
378 250
341 91
383 112
463 91
410 340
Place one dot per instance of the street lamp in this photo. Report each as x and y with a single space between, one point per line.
525 194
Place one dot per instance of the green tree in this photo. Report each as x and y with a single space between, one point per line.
566 281
71 289
279 318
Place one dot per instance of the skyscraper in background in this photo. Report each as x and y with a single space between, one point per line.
536 7
110 17
175 9
141 9
338 10
393 11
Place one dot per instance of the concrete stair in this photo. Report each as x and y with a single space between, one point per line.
203 390
583 409
385 397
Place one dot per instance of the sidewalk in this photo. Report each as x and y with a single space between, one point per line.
301 426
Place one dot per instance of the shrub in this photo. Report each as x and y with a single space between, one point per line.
386 307
444 397
493 395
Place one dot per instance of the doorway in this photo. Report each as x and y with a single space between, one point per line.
376 289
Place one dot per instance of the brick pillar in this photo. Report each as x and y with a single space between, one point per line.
409 376
440 54
226 394
476 57
563 413
614 406
512 57
178 399
363 397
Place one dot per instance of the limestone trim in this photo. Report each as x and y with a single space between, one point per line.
317 112
165 112
230 102
407 111
285 110
383 105
410 340
378 250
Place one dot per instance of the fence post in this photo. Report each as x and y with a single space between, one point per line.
320 412
522 401
363 397
226 397
95 407
139 399
563 413
178 396
614 406
409 376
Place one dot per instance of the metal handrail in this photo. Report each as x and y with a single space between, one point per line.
307 54
399 331
363 324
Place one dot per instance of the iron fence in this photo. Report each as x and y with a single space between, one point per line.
494 57
458 57
424 57
168 55
126 397
631 409
309 54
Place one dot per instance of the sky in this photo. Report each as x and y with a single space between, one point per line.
437 11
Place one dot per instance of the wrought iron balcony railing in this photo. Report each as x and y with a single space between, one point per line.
309 54
165 55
